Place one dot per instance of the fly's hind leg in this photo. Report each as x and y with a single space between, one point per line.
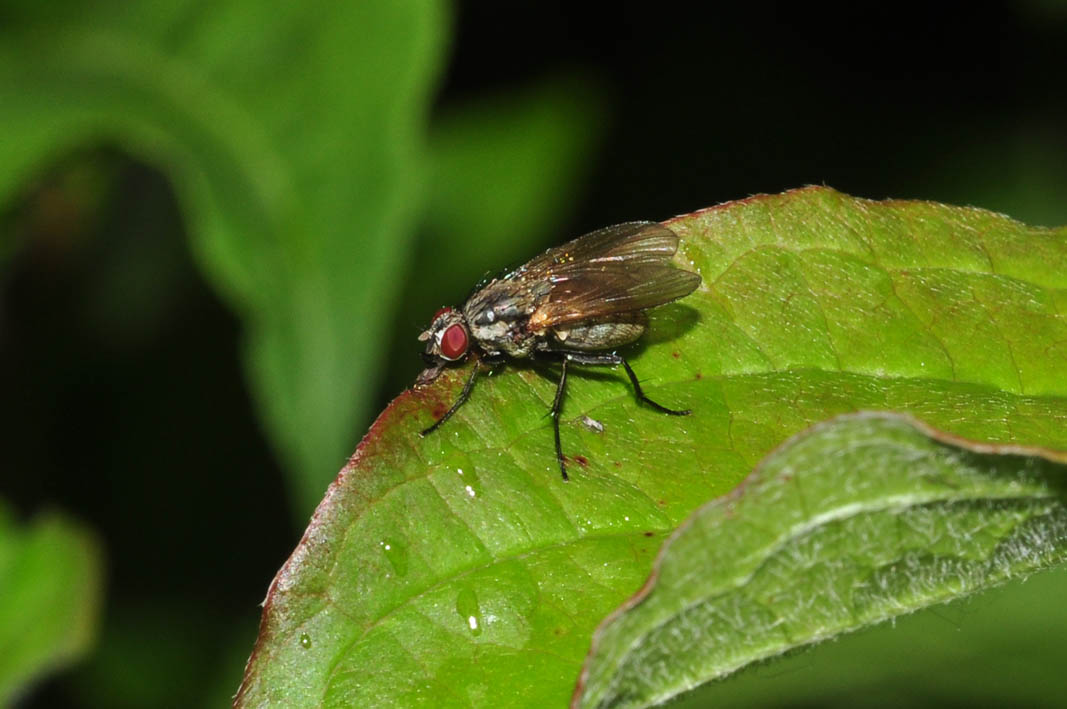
612 359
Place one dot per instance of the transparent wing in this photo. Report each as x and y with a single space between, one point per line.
602 290
629 243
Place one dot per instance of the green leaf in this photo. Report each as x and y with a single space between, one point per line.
853 522
50 587
294 149
459 570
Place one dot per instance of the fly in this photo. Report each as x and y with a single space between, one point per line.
574 304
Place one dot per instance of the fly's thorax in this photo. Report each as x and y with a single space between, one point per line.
498 316
508 301
507 336
491 338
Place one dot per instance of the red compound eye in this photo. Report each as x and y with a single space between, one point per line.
454 342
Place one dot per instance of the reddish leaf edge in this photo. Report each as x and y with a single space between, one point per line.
935 434
414 400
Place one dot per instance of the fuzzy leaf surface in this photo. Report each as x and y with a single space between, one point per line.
850 523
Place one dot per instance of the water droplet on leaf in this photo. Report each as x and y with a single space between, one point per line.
472 486
397 555
468 609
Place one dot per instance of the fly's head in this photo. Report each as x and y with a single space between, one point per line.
448 339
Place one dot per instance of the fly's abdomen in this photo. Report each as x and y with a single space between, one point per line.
604 335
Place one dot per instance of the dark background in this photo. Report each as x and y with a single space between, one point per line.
719 101
135 416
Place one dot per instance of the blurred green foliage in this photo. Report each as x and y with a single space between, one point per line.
303 180
299 179
50 587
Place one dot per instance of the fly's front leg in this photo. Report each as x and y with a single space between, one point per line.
463 396
610 358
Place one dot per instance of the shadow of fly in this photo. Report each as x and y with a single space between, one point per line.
574 304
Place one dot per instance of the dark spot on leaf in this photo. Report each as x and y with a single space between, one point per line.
676 355
581 460
618 464
699 376
661 503
650 534
439 410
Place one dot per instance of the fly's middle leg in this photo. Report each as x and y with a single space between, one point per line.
557 407
612 359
